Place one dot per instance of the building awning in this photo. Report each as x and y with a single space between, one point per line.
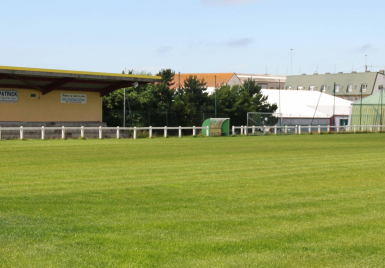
47 80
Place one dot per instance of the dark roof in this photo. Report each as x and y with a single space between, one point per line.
47 80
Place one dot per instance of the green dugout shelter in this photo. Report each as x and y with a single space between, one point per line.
217 126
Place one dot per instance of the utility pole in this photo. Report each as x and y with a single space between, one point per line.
215 96
291 72
248 85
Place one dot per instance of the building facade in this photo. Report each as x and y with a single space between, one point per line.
30 95
350 86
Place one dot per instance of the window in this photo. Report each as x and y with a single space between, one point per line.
350 89
337 88
312 88
288 87
300 87
351 98
343 122
323 88
364 87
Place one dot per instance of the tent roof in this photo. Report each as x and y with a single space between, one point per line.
47 80
303 104
373 99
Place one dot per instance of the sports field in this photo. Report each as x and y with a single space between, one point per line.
274 201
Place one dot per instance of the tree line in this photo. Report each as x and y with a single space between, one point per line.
159 100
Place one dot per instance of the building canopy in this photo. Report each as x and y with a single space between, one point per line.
47 80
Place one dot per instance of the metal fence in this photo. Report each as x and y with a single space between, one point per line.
170 119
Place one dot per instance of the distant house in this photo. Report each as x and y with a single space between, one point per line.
264 80
350 86
231 79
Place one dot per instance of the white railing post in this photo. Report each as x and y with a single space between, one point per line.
253 130
319 129
309 129
207 131
286 129
264 130
100 132
246 130
338 129
21 133
275 130
194 131
180 132
117 132
150 132
82 132
233 131
299 129
0 133
42 133
241 130
63 132
355 129
379 129
165 131
371 128
296 129
134 133
328 129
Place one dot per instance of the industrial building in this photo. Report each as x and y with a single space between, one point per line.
231 79
309 107
45 97
350 86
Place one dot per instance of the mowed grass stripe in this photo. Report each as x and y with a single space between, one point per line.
314 200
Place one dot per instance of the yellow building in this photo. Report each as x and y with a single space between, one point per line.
43 95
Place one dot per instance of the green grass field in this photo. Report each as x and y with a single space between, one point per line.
274 201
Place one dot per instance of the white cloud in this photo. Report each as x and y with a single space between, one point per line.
228 2
164 50
243 42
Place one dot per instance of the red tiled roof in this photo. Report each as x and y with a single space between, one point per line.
222 78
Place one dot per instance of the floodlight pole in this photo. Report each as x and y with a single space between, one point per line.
124 109
179 84
248 85
215 88
361 110
381 96
291 72
334 105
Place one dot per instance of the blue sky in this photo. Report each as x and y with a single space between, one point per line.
244 36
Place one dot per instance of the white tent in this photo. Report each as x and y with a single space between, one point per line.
308 106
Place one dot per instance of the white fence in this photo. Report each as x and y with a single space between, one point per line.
244 130
298 129
84 130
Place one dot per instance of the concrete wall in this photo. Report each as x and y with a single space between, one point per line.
48 108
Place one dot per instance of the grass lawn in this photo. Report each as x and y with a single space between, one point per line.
273 201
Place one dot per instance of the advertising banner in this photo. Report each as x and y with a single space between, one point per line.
8 96
73 98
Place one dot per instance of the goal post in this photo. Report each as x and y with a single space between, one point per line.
258 121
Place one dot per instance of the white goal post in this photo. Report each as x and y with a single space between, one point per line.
259 119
